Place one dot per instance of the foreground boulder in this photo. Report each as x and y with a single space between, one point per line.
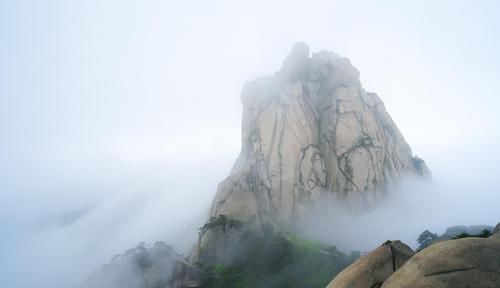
468 262
373 269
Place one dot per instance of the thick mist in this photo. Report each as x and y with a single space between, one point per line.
71 228
463 191
406 211
119 118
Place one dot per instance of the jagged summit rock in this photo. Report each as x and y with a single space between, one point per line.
309 131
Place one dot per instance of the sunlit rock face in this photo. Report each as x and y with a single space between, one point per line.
310 132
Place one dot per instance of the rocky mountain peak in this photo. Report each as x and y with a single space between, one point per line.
310 132
296 64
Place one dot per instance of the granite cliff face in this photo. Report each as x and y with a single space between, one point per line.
310 132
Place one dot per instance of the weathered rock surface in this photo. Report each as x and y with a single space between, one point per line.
373 269
467 262
496 231
310 132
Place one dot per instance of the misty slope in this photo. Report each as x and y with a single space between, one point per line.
158 266
276 260
310 134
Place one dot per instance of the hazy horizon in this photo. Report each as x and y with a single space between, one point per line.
119 118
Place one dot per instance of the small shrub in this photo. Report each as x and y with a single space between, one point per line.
221 221
484 234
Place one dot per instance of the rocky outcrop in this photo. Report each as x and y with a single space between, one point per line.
310 133
458 263
496 230
373 269
468 262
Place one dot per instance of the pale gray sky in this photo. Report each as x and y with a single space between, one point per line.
127 113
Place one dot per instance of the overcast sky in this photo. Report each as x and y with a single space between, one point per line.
118 118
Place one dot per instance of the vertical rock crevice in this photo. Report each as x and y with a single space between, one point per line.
310 130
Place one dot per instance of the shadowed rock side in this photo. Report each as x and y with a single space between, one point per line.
373 269
310 131
460 263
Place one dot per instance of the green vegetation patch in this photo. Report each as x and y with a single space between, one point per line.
278 260
221 221
484 234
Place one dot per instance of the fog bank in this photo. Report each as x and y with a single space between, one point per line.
119 118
